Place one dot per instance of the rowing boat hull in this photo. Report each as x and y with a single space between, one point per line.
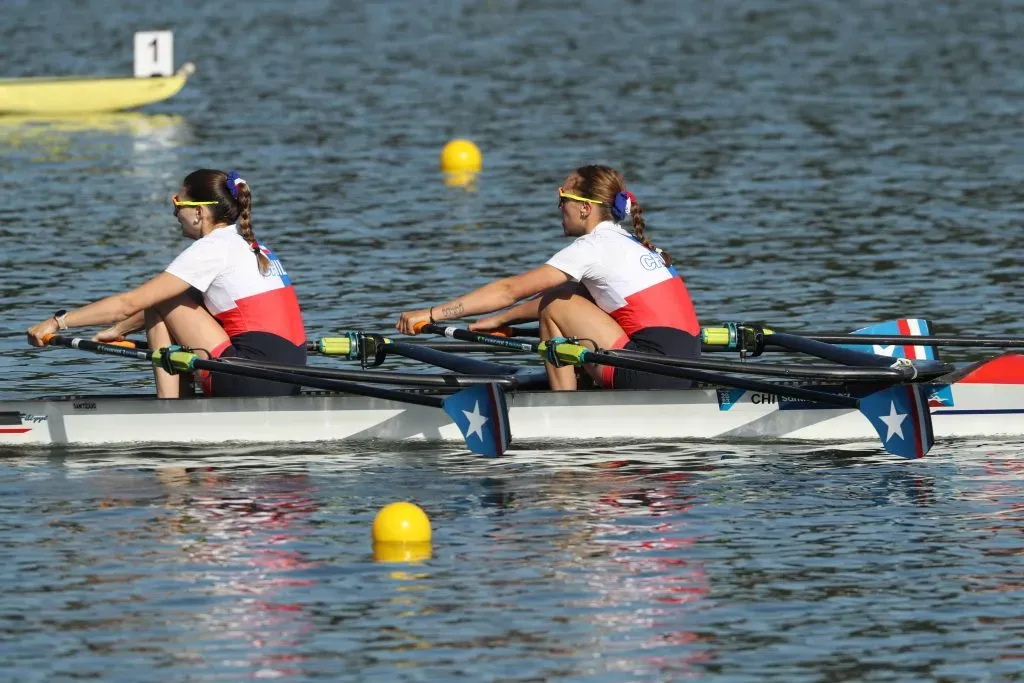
59 96
968 410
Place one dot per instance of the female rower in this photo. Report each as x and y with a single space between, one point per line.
248 310
610 286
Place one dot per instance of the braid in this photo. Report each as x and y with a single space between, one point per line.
638 229
245 226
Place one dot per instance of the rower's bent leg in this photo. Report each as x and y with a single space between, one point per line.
571 315
183 320
158 336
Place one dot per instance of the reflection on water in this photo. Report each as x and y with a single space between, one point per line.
239 547
259 563
149 141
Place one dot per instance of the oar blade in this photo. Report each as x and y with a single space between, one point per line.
481 414
903 327
902 419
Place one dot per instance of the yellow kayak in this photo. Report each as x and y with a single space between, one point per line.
73 95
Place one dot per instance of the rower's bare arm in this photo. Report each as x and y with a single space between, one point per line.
493 296
503 293
114 309
528 311
122 329
120 307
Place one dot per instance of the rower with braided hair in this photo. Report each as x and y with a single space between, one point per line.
611 286
227 294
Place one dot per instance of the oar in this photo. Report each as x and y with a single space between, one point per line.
886 409
753 339
726 338
372 349
885 339
729 337
361 346
896 372
480 412
412 379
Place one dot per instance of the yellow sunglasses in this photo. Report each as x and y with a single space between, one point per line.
179 203
563 195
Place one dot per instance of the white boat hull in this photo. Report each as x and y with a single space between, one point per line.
967 410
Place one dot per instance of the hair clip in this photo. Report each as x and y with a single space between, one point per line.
233 181
623 204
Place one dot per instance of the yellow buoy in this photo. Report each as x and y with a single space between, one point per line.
401 523
461 156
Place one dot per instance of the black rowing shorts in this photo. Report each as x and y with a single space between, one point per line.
254 346
664 341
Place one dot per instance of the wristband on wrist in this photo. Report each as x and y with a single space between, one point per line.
431 314
61 318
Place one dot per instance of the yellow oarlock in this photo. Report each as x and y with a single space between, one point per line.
179 361
566 352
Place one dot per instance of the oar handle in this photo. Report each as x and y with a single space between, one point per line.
463 334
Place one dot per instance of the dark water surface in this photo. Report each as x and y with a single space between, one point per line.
818 165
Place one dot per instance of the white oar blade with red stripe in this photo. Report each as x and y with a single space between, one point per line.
903 327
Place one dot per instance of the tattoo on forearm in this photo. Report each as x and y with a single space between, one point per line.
453 311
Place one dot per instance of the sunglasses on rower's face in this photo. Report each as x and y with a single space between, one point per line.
563 196
178 203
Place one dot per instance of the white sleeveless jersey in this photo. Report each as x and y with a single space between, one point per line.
223 267
627 280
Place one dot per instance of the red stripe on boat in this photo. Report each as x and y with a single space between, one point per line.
1006 369
14 430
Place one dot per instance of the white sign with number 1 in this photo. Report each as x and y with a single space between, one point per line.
154 53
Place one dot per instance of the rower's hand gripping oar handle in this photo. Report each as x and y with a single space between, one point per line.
123 343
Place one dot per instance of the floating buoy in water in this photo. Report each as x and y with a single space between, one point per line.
401 533
401 523
461 156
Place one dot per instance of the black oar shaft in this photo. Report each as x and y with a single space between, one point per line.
382 376
256 373
828 351
724 380
872 339
448 361
317 382
793 371
480 338
661 369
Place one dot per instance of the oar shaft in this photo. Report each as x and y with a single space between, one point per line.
448 361
828 351
99 347
316 382
715 378
383 376
789 370
465 335
872 339
584 355
186 361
